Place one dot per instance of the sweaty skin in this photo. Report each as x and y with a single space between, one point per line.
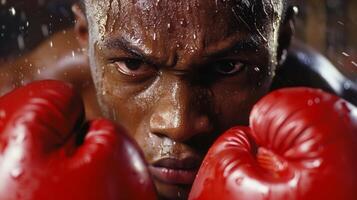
176 74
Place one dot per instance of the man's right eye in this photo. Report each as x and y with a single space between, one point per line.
135 69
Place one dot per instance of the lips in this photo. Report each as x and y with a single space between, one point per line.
175 171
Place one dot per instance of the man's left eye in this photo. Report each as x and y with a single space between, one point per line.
228 67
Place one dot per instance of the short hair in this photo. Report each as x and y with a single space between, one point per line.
81 4
285 5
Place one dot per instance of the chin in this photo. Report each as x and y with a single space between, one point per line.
171 191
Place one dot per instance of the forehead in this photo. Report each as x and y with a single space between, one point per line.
194 23
159 12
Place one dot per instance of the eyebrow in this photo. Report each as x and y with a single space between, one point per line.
123 44
131 47
234 43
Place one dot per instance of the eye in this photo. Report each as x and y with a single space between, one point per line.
135 68
228 67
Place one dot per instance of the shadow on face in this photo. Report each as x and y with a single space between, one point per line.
176 74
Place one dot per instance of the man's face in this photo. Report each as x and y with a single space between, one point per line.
176 74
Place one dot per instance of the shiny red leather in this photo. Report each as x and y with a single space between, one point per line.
301 145
48 153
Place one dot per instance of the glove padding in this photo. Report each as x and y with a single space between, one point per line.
301 145
47 152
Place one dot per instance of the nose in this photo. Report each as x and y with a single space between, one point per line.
181 113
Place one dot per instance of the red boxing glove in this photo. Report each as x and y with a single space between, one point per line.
47 153
301 146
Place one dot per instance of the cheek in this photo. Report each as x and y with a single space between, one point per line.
120 102
234 101
129 105
233 107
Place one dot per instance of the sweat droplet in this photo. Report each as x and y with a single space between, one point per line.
345 54
182 22
317 100
20 138
21 42
354 63
141 181
16 173
310 102
239 181
2 114
44 29
12 11
347 85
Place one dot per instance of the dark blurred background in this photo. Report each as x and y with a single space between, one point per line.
25 23
330 26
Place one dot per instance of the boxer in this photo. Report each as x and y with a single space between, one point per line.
176 74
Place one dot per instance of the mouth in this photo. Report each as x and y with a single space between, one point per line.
175 171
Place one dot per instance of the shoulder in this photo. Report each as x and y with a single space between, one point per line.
305 66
